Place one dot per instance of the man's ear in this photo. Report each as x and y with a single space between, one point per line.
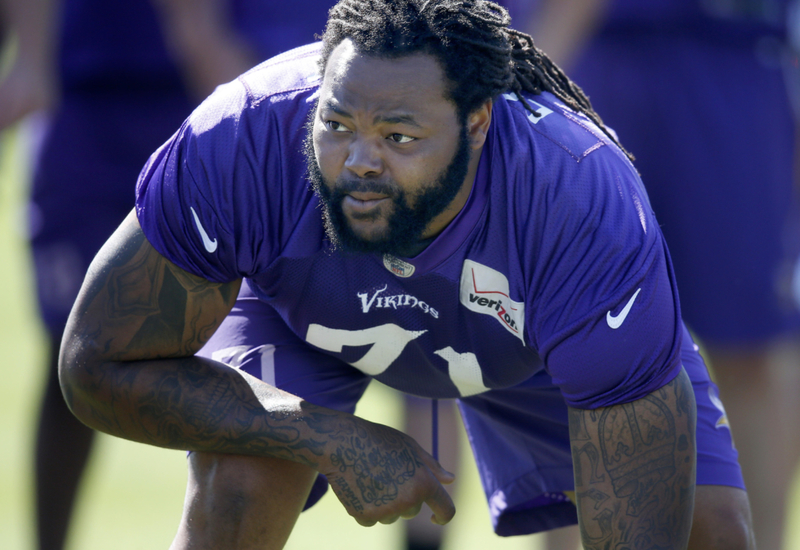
478 124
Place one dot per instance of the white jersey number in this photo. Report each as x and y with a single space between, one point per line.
387 343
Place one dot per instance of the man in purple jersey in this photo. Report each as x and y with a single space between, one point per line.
426 200
720 171
120 77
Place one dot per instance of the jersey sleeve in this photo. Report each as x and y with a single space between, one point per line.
218 198
186 200
607 318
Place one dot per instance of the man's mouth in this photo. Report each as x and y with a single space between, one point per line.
362 202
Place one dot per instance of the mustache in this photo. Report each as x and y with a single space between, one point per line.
344 186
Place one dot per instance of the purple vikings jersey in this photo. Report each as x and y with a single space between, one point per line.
552 286
555 261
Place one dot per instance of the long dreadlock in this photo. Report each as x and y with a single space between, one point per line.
481 56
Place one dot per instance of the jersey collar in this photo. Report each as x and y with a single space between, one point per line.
455 234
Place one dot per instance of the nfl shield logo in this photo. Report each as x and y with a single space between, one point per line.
398 266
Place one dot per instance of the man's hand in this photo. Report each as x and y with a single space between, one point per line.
380 475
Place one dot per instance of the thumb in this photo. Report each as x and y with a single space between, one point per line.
441 505
442 475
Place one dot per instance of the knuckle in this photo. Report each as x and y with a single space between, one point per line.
389 520
412 512
364 522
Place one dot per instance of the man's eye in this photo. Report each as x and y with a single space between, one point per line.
401 138
336 126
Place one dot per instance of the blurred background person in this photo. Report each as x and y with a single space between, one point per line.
697 91
115 79
28 84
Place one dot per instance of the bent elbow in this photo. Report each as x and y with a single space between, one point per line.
77 377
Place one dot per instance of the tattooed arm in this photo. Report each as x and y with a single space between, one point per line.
635 470
127 368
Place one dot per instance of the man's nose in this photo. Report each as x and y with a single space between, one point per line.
364 158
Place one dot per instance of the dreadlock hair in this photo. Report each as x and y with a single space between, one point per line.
480 55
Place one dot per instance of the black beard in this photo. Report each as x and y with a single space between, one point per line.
405 224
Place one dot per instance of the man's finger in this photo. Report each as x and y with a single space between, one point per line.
389 520
441 505
442 475
364 522
411 512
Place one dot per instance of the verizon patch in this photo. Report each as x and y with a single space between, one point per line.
485 290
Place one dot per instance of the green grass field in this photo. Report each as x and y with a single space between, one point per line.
132 496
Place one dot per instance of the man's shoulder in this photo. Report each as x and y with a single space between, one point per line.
563 167
552 124
275 95
555 154
292 71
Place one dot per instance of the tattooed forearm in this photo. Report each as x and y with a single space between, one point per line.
634 470
128 366
197 404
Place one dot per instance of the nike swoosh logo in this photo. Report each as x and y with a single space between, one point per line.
210 245
616 321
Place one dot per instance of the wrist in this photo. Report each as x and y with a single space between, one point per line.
337 431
